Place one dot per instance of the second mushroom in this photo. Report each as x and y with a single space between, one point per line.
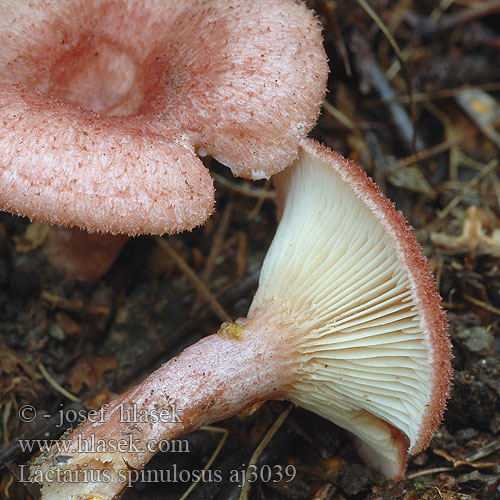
104 106
346 322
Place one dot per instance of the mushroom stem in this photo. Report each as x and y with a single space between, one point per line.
82 255
218 377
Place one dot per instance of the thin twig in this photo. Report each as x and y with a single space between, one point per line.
433 151
457 462
211 460
244 189
458 198
55 385
260 448
425 472
470 14
482 304
195 280
484 451
217 242
259 203
397 51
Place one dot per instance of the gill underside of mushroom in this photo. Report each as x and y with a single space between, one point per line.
346 323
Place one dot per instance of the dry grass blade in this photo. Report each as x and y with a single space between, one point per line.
244 188
382 26
217 243
425 472
459 463
482 304
195 280
211 460
469 185
339 116
55 385
260 448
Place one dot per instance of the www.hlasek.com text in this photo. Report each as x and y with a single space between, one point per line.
93 444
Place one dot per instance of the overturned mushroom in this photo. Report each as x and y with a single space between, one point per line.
103 105
346 322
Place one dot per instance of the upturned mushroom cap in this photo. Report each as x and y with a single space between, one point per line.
346 322
345 271
103 105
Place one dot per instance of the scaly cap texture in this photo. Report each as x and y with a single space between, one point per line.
103 105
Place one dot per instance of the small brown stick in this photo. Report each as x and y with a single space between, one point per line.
484 451
260 448
467 15
457 462
482 304
195 280
259 203
244 188
215 249
72 305
426 472
241 256
469 185
433 151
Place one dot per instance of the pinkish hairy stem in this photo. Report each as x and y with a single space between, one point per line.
210 381
82 255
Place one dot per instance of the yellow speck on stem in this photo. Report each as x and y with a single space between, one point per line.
480 106
251 409
228 329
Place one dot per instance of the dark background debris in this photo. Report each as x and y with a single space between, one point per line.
404 111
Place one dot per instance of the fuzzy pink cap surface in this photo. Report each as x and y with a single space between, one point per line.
104 104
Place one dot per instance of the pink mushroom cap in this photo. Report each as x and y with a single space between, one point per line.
104 105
